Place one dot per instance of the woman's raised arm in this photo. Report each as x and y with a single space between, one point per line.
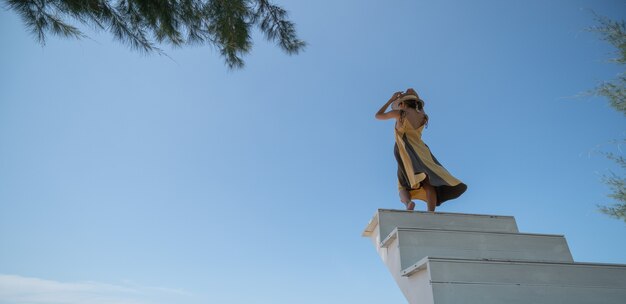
381 115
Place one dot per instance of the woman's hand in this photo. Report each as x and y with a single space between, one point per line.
396 95
391 114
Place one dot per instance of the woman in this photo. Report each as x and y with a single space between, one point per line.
420 175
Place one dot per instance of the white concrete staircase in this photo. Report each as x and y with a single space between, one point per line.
454 258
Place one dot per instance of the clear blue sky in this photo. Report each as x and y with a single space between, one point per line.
143 179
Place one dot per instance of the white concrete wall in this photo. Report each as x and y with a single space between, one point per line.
495 282
415 244
416 288
483 260
387 220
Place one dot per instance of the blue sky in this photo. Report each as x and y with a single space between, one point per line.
127 178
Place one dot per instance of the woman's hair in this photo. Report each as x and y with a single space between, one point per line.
413 104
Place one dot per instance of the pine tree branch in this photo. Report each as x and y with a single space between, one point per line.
277 27
613 32
125 29
615 92
226 21
224 24
617 211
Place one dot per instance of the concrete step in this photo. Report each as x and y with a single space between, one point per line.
415 244
448 281
386 220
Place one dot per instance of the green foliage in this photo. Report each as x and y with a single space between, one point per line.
141 24
618 186
615 92
613 32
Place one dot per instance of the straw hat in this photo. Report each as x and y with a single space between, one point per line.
412 97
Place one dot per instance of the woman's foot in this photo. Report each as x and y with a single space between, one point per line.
410 205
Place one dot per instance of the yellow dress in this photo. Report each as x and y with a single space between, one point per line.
416 163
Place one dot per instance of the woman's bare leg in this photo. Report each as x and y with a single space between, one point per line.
405 198
431 195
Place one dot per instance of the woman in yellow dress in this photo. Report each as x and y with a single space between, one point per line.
420 175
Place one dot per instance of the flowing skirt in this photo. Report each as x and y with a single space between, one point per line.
424 166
